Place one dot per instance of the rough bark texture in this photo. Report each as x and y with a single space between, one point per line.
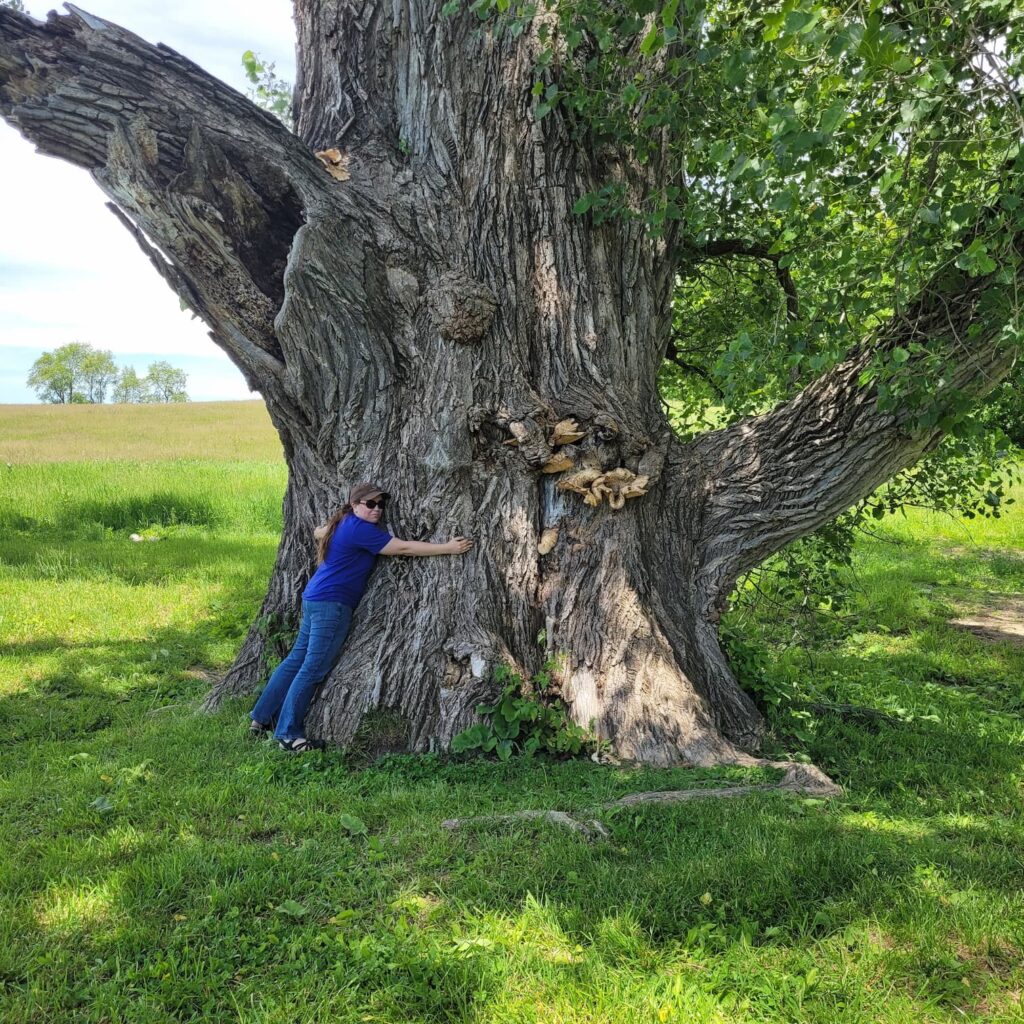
422 314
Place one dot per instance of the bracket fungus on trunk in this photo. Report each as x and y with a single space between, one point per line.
335 162
547 541
566 432
616 485
558 463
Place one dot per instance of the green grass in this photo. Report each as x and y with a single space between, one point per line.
156 865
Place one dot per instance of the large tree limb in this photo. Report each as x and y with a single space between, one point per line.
771 479
213 189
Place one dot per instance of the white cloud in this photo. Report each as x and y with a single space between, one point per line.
68 270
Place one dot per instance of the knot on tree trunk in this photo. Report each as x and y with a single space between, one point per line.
461 309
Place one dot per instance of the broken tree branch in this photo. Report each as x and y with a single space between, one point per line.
799 778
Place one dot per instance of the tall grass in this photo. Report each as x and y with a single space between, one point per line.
84 499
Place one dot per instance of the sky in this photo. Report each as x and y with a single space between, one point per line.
68 270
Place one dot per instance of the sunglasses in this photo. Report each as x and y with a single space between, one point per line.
373 503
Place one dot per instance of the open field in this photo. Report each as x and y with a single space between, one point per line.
144 433
157 865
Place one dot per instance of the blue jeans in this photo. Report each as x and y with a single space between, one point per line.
286 697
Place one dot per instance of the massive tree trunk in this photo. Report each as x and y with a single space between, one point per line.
421 308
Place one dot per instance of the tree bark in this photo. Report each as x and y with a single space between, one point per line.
421 308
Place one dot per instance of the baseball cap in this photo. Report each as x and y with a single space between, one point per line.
360 492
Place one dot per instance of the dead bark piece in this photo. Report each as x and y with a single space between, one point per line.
336 163
547 541
799 778
809 779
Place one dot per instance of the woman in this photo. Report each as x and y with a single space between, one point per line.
347 548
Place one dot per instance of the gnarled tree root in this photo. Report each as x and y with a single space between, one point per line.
799 778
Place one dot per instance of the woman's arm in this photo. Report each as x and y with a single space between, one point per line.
417 548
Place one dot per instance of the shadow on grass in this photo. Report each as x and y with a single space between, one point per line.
101 683
193 868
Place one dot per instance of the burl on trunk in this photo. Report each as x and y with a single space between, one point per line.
405 283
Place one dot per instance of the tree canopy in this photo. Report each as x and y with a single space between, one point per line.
839 159
820 168
81 373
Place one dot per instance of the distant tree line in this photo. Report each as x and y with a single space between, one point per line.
79 373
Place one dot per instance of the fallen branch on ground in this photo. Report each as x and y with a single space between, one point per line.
799 778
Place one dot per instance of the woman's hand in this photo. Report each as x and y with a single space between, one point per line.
458 545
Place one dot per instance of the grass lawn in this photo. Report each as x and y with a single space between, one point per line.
156 865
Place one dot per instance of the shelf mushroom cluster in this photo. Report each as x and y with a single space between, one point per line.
616 485
590 481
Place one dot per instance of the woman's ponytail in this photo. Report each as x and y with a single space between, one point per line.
324 534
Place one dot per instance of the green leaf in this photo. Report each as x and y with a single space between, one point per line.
350 823
102 805
831 118
650 42
290 908
900 355
964 214
800 21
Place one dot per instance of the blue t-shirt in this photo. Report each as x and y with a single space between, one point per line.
353 550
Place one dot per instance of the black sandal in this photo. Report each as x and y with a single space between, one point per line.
257 729
299 746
